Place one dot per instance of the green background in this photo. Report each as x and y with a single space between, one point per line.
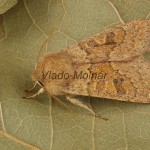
42 123
6 4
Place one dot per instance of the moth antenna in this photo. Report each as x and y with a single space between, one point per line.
40 49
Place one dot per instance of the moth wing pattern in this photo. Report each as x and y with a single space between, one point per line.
118 53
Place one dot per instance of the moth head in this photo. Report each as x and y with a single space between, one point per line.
48 62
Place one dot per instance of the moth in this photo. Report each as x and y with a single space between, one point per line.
113 64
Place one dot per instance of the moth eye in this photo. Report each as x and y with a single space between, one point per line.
40 83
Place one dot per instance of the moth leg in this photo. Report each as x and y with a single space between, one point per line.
41 90
29 90
77 102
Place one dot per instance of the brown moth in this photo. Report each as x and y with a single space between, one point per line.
112 64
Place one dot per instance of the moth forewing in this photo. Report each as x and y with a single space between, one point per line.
118 53
108 65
